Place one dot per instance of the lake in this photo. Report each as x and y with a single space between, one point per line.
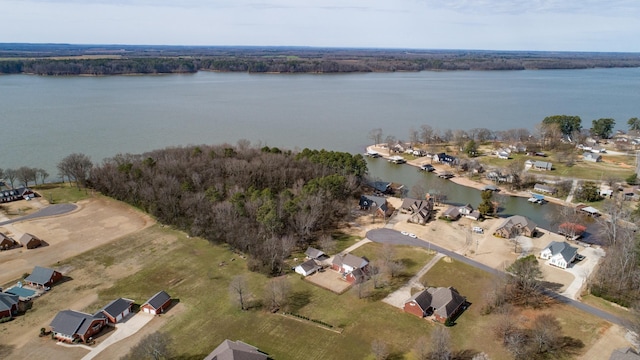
47 118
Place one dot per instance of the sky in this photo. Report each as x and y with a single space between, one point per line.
545 25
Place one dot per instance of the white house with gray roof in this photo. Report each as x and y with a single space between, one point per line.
307 268
559 254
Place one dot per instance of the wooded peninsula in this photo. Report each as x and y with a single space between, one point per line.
64 59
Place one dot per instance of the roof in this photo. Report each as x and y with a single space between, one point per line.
544 188
24 239
3 236
452 211
518 220
71 322
542 164
564 249
117 306
8 301
381 186
40 275
624 354
373 201
235 350
590 210
423 299
355 262
475 214
445 301
313 252
157 300
309 265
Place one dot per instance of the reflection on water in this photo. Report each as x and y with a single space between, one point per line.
545 216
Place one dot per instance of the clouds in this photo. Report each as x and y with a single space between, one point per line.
586 25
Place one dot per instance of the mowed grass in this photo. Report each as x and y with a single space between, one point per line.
57 193
473 328
197 274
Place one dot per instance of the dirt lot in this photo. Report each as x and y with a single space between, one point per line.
330 280
96 222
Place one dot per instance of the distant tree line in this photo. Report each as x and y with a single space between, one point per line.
263 202
23 176
301 61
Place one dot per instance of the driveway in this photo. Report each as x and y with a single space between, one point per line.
51 210
123 330
582 270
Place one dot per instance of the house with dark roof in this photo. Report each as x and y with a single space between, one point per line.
452 213
43 277
376 203
7 243
346 264
307 268
514 226
117 310
157 304
440 302
16 194
8 305
313 253
30 241
559 254
236 350
71 325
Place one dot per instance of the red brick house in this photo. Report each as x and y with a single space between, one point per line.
43 277
441 303
71 325
353 268
6 242
157 304
30 241
8 305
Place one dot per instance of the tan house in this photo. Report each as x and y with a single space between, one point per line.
514 226
30 241
440 302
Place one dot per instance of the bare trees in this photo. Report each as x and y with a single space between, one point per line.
379 349
376 136
155 346
239 291
440 344
276 293
75 166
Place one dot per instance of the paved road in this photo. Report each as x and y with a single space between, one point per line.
388 236
52 210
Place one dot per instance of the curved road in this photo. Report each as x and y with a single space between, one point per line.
388 236
51 210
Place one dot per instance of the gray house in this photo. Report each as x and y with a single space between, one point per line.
593 157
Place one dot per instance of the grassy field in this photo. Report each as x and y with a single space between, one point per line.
57 193
197 274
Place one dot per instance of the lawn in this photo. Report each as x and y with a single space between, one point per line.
197 274
57 193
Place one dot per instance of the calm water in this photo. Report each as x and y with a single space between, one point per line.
47 118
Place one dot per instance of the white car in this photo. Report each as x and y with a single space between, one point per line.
404 233
412 235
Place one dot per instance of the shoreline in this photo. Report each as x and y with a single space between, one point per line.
463 181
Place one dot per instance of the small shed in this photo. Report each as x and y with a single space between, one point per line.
307 268
30 241
6 242
117 310
157 304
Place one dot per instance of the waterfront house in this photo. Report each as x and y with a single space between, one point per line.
43 277
514 226
157 304
71 325
420 210
236 350
376 203
452 213
544 189
16 194
559 254
443 303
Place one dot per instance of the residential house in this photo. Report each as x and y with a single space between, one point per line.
503 155
465 210
71 325
30 241
117 310
452 213
8 305
377 203
474 215
382 187
307 268
16 194
347 264
544 189
446 159
236 350
559 254
625 354
6 242
514 226
43 277
443 303
538 165
157 304
313 253
420 210
593 157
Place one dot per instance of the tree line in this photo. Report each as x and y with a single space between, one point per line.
23 176
263 202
